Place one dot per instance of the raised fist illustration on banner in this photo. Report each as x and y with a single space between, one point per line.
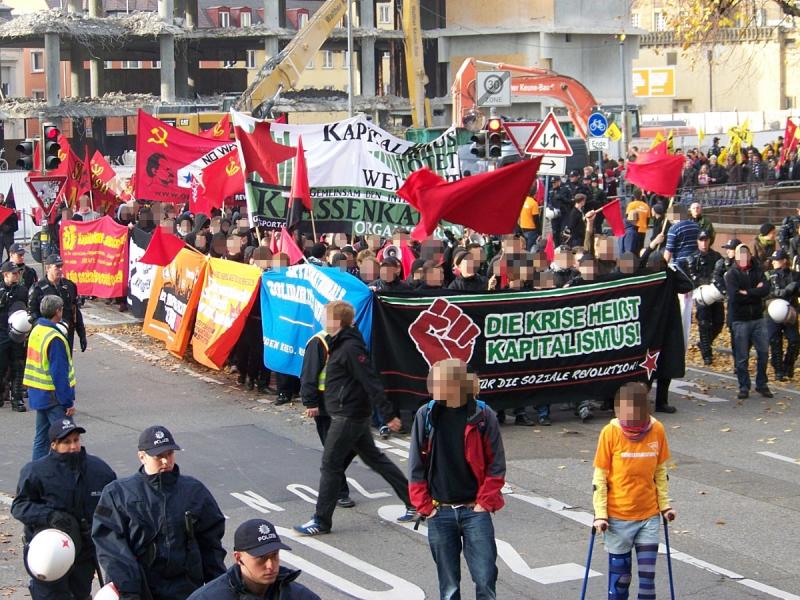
443 331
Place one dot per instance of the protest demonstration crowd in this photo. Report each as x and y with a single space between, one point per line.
443 327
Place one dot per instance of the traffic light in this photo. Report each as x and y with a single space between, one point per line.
26 148
494 128
479 144
50 135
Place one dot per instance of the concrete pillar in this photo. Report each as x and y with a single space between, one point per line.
96 67
180 10
52 60
96 8
182 72
366 14
191 14
77 83
167 57
273 20
75 6
166 8
367 60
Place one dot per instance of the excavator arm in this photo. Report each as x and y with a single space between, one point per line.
282 71
415 64
532 81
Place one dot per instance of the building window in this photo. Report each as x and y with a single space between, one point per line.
245 19
672 59
384 13
38 94
635 19
37 62
131 64
310 64
327 59
107 64
567 37
224 19
660 21
155 64
345 60
251 59
303 19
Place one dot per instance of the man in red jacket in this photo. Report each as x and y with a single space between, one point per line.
457 468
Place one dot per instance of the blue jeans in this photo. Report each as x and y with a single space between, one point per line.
44 418
530 235
746 334
445 534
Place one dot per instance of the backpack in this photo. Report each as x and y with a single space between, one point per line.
429 427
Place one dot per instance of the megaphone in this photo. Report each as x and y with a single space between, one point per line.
107 592
19 326
51 555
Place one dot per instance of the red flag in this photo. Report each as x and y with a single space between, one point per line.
539 197
300 187
657 150
789 141
467 201
406 255
221 131
273 242
5 212
163 158
613 215
282 118
221 179
260 153
289 247
656 173
76 172
103 180
162 249
550 249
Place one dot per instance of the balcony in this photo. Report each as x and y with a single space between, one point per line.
727 35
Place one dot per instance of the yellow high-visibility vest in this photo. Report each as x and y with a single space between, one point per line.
321 379
37 365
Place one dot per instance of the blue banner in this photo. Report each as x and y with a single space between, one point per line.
293 303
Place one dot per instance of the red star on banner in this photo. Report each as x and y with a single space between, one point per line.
65 543
261 153
650 362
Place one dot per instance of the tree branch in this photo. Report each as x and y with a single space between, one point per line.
788 7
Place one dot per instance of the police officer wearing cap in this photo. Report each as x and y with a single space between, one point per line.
56 284
158 533
13 297
28 275
711 318
258 572
725 264
61 491
785 285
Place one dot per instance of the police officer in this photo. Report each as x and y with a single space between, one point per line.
575 185
61 491
710 319
55 283
28 277
560 203
784 284
258 572
789 229
158 533
13 297
724 265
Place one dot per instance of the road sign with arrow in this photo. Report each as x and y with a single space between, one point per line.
549 139
520 133
555 166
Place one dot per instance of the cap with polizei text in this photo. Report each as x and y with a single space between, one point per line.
157 439
257 537
62 428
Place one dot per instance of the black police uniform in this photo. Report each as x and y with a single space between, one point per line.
230 586
710 319
160 534
561 200
12 354
28 277
783 284
61 491
72 316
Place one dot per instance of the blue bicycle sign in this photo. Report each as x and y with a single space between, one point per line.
598 124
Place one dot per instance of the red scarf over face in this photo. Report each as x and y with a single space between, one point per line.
635 430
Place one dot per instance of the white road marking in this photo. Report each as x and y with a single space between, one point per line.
732 378
506 553
400 589
362 490
303 492
587 519
678 386
400 442
794 461
389 448
149 356
256 502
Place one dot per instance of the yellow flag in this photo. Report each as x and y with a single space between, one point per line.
657 140
701 135
723 157
614 132
670 145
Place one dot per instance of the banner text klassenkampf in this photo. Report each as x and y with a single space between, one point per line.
95 255
533 348
354 169
293 303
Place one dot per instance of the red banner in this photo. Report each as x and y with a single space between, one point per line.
166 157
95 256
104 183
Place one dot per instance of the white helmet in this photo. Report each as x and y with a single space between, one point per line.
51 554
107 592
19 326
781 311
552 213
62 327
706 295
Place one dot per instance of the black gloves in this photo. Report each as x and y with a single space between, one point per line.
61 520
84 343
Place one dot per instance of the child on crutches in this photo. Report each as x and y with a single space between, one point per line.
631 492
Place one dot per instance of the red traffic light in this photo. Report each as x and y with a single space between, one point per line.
494 124
51 132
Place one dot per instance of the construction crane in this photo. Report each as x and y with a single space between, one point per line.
283 71
415 65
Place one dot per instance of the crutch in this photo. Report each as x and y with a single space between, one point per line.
588 565
669 559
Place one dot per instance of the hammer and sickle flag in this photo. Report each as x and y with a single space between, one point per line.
221 179
161 152
220 131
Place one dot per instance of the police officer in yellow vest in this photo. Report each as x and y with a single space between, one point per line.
49 374
312 391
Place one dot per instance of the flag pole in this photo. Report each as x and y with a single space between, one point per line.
313 226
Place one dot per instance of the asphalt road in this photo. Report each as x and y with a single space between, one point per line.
738 508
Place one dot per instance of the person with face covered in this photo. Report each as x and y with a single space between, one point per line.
631 490
61 491
468 262
456 471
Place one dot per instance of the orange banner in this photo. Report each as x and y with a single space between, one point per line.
95 256
173 300
229 290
